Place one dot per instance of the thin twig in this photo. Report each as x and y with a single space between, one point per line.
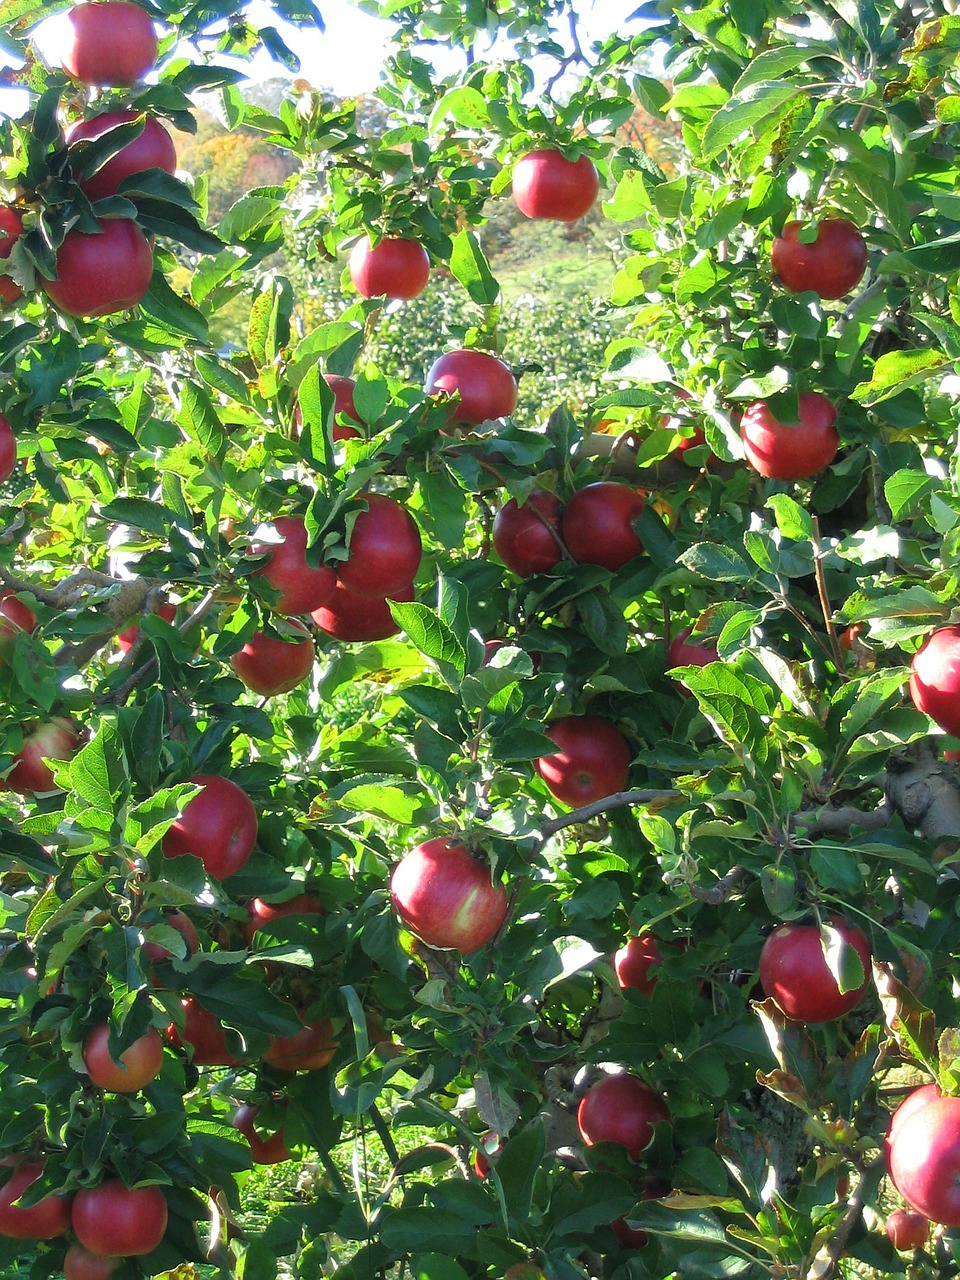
824 1266
619 800
825 604
723 890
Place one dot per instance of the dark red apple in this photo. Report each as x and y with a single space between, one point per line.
302 588
154 952
445 894
43 1221
218 826
129 636
268 665
394 267
592 760
12 607
684 653
153 149
795 973
908 1230
385 550
598 524
527 538
270 1150
117 1221
347 616
548 185
11 229
343 389
204 1035
138 1065
935 678
485 387
923 1154
99 274
830 266
308 1049
491 1144
261 913
8 449
56 739
635 962
109 44
622 1109
790 451
81 1264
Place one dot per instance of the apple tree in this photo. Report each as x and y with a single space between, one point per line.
532 833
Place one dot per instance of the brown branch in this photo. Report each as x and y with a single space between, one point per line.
829 821
723 890
617 801
925 793
130 598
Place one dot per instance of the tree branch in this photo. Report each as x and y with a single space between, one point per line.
618 800
829 821
723 890
824 1265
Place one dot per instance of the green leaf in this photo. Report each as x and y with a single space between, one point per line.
198 418
465 106
759 109
151 517
896 371
396 801
470 267
792 520
842 959
717 563
432 637
905 491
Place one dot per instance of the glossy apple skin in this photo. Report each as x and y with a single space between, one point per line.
935 678
795 974
57 739
153 149
17 611
43 1221
141 1061
268 665
129 636
446 896
11 229
272 1150
548 185
308 1049
349 617
8 449
783 451
635 961
395 267
908 1230
116 1221
598 524
527 538
592 760
98 275
80 1264
385 550
830 266
218 826
923 1154
486 387
301 587
622 1109
261 913
683 654
110 44
204 1034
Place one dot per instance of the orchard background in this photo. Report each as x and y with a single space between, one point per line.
776 773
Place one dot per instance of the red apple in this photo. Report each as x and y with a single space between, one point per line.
676 422
271 1150
491 1144
485 387
830 266
81 1264
790 451
99 274
55 739
129 636
109 44
393 268
153 149
622 1109
117 1221
935 678
598 524
632 1237
908 1230
11 229
848 637
634 962
18 612
794 972
347 616
8 449
205 1036
139 1063
343 389
548 185
683 653
268 665
154 952
385 550
302 588
308 1049
218 826
592 760
923 1154
527 538
445 894
43 1221
261 913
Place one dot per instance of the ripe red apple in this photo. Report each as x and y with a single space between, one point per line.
849 635
548 185
621 1108
682 653
271 1150
218 826
790 451
100 274
129 636
80 1264
598 524
394 267
11 229
268 665
153 149
676 422
308 1049
301 587
139 1063
632 1237
18 612
204 1034
923 1154
347 616
634 962
794 972
117 1221
485 386
43 1221
343 389
908 1230
935 678
261 913
491 1144
527 538
445 894
8 449
385 550
830 266
592 760
154 952
109 44
55 739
